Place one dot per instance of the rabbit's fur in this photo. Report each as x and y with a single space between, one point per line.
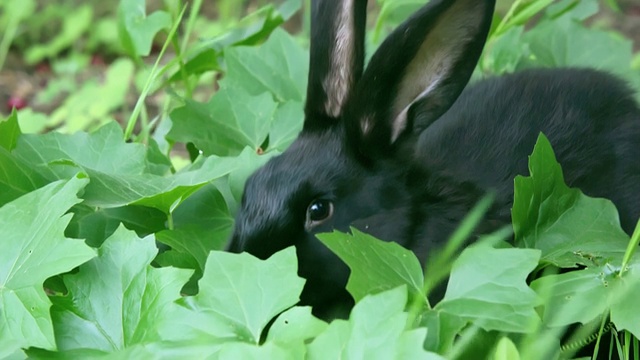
403 153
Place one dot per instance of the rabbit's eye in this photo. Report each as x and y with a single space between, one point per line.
318 212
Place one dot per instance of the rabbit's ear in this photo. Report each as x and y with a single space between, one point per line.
427 60
336 58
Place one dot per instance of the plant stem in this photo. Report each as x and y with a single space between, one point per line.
631 249
147 87
503 23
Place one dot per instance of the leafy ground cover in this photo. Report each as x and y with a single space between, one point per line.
91 190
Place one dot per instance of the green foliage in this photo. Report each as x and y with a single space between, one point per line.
261 97
99 315
137 29
375 266
34 248
558 39
124 192
589 233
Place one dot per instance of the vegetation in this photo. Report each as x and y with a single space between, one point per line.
92 188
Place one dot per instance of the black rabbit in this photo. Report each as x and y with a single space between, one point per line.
402 152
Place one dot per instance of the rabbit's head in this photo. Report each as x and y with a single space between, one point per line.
351 163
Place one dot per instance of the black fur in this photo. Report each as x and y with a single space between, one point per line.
416 188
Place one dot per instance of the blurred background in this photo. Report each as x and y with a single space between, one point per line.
75 64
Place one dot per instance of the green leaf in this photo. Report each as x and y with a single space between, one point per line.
295 324
126 307
32 249
240 294
443 330
248 162
162 193
505 350
16 177
573 9
231 121
251 30
624 312
582 296
375 265
564 41
261 95
488 287
121 174
506 52
375 330
9 131
279 67
569 227
136 29
202 223
293 328
286 125
241 350
33 122
97 224
257 26
286 339
103 150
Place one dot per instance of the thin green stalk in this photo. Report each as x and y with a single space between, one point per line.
507 17
441 264
183 72
191 21
631 249
182 48
152 76
444 259
170 220
627 344
597 346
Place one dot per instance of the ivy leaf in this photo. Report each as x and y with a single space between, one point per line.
624 312
126 307
9 131
293 328
232 120
162 193
375 265
375 330
488 287
103 150
240 294
121 174
251 30
95 225
581 296
136 29
16 177
261 96
286 125
33 248
278 67
569 227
